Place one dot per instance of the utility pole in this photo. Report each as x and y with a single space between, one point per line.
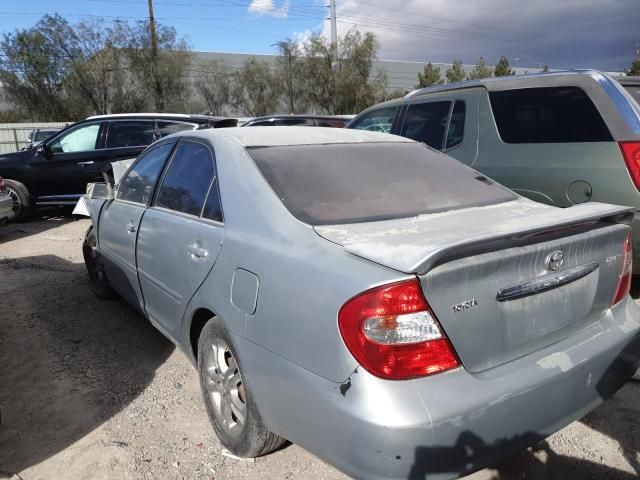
334 32
159 98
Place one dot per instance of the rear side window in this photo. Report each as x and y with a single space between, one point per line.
634 91
349 183
288 122
167 128
186 183
427 123
379 120
547 115
138 184
131 133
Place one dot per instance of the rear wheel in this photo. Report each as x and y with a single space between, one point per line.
229 403
97 277
22 203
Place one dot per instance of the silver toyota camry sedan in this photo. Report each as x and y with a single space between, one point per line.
384 306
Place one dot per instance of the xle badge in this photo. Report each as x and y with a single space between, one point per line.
466 305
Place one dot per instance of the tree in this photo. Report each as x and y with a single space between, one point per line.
170 76
255 90
429 76
503 69
342 81
455 73
215 87
635 68
290 73
481 70
32 72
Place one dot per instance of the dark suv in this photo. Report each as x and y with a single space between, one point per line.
57 171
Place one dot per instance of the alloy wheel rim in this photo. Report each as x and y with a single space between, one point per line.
225 389
17 204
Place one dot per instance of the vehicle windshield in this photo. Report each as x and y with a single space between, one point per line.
364 182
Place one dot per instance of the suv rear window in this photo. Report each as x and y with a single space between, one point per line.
349 183
547 115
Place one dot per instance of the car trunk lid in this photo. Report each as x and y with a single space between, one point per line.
504 280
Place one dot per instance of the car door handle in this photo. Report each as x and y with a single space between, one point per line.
89 162
131 228
197 251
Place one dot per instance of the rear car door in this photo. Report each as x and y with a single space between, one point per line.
550 144
180 235
120 219
72 161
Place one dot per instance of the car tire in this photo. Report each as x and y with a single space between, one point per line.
95 269
227 397
22 203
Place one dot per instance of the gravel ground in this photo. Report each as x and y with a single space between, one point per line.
88 389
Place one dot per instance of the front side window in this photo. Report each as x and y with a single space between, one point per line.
427 123
380 120
364 182
81 139
131 133
138 184
547 115
188 178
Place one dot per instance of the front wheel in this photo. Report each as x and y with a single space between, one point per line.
97 277
22 203
228 401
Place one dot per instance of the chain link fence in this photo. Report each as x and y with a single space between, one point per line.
15 136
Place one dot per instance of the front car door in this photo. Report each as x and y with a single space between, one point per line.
120 220
180 235
62 167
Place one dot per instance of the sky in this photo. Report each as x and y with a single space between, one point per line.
601 34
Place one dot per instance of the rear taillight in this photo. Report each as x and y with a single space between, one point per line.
626 268
392 332
1 184
631 154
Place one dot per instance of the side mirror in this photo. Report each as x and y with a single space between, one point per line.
44 150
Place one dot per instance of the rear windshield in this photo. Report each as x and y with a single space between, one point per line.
634 90
349 183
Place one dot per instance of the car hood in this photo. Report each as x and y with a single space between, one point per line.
15 157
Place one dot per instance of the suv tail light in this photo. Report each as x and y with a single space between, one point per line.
631 154
392 332
626 267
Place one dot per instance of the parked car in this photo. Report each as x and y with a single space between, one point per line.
336 121
632 86
39 135
384 306
560 138
6 204
57 171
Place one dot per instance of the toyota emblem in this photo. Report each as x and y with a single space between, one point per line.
555 260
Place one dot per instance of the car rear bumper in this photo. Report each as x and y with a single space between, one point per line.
6 207
450 424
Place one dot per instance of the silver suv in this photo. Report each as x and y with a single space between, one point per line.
560 138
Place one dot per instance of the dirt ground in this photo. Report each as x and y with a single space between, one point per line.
90 390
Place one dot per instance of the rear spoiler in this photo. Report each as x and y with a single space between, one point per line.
415 245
